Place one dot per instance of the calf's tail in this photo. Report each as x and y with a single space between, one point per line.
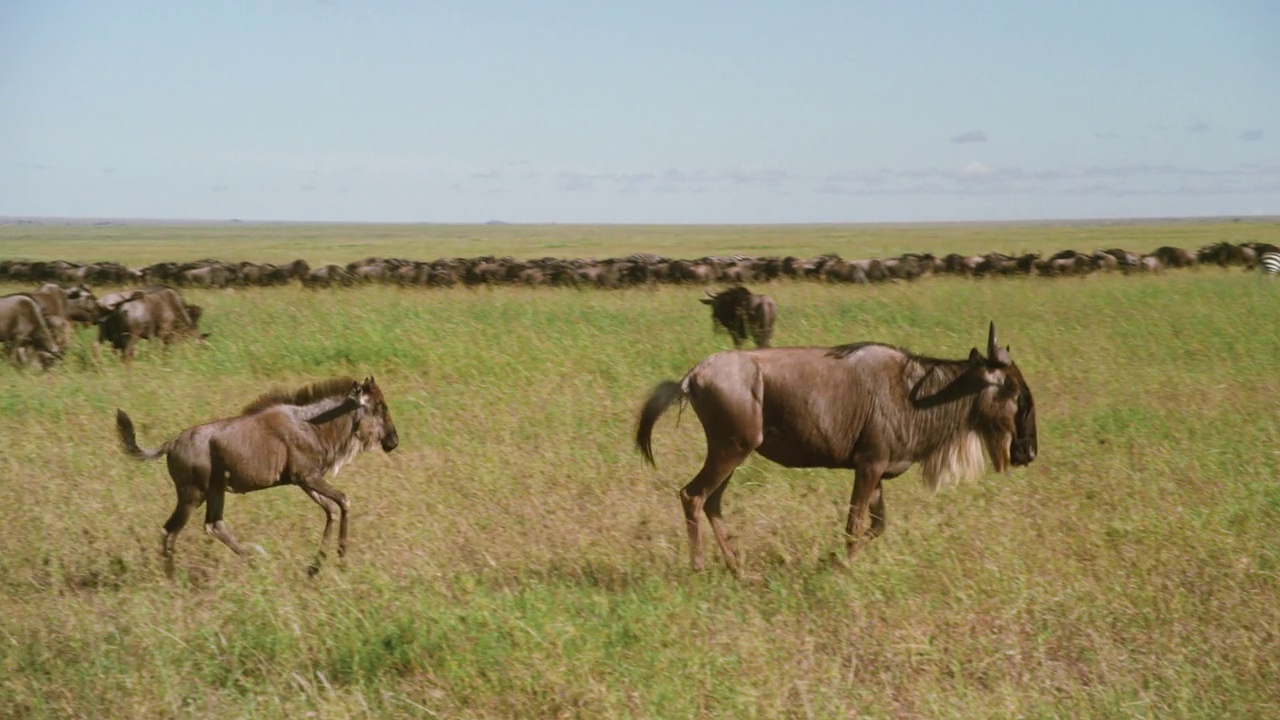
663 396
125 427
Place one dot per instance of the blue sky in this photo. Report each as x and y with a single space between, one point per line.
632 112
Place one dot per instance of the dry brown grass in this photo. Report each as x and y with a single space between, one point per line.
514 558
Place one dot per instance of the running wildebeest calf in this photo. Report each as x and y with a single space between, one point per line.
743 313
281 438
868 407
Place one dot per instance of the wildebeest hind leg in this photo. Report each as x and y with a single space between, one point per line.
187 502
213 523
694 497
712 510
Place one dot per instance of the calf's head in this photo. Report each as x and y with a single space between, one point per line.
373 423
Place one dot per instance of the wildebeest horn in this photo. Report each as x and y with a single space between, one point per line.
995 353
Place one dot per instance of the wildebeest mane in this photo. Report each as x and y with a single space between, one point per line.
844 351
305 395
927 387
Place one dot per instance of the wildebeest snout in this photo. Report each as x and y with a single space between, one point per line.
390 441
1022 451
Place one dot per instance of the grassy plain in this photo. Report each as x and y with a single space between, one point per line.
514 558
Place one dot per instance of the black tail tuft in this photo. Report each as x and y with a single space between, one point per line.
124 426
663 396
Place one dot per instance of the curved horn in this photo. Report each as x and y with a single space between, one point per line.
995 353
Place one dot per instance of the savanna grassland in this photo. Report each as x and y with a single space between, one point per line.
514 558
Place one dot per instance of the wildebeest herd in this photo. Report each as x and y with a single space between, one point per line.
639 269
874 408
36 326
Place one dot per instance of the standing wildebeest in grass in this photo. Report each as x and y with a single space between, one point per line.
868 407
742 313
281 438
23 327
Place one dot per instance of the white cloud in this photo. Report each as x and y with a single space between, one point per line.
970 136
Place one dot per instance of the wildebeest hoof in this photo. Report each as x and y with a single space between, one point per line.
838 561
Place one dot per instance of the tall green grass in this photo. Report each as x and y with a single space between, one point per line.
514 558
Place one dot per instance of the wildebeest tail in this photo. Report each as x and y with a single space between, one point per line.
130 442
663 396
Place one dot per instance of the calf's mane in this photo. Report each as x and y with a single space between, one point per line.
306 395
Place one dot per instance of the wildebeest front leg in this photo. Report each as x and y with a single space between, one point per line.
317 488
878 517
330 507
130 346
866 489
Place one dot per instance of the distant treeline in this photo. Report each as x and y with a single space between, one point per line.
634 270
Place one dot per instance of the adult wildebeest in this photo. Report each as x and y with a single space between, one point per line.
872 408
156 312
23 326
743 313
281 438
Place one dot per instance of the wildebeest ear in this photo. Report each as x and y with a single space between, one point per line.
356 391
705 301
975 358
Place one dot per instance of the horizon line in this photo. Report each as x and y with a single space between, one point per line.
75 220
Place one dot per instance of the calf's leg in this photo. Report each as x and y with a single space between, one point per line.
330 507
324 490
213 523
188 501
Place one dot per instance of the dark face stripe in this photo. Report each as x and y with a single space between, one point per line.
1025 445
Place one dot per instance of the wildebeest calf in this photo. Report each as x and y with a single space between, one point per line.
281 438
743 313
868 407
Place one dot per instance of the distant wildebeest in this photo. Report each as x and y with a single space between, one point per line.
281 438
157 312
64 306
743 313
868 407
25 332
